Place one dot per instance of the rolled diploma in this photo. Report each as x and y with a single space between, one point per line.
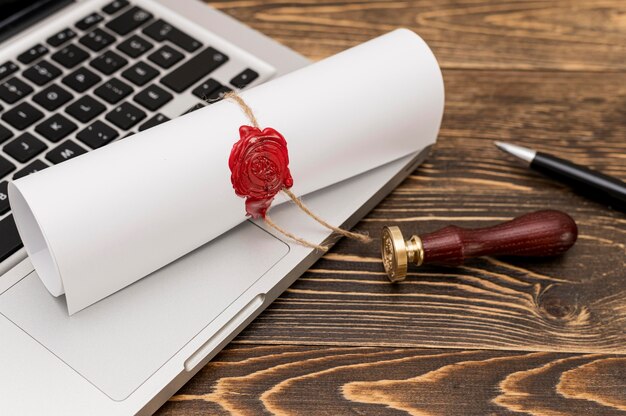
106 219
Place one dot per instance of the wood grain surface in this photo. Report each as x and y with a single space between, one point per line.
497 335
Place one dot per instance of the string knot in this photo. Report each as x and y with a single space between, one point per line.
259 170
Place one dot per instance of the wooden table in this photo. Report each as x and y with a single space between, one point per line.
496 336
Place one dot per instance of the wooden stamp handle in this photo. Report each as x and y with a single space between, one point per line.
541 233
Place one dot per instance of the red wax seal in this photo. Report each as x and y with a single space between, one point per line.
259 168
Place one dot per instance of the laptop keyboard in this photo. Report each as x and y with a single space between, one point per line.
100 80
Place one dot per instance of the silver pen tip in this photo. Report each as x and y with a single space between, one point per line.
520 152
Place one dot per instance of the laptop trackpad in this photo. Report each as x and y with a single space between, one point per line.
120 341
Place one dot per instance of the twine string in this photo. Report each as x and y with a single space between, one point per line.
292 236
363 238
355 236
233 96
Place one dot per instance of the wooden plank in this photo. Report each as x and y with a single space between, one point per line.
581 35
284 380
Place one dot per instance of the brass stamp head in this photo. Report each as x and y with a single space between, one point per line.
394 253
397 253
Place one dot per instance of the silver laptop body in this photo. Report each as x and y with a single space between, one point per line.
132 351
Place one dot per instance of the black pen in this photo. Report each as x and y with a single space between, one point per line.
584 180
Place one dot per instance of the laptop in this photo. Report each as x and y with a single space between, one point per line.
75 72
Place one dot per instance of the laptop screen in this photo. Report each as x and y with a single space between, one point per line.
15 13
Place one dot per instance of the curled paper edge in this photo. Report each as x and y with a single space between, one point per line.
37 246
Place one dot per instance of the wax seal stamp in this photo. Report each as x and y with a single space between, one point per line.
259 165
537 234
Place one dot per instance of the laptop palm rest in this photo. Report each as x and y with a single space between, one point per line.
120 341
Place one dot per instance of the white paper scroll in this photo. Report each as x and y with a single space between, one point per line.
104 220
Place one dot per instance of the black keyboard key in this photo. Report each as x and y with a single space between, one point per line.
4 197
244 78
140 73
22 116
33 53
81 80
97 135
166 57
33 167
10 240
97 39
154 121
41 73
193 70
61 37
85 109
6 167
13 90
113 91
70 56
7 69
24 147
52 97
161 30
194 108
108 62
135 46
65 151
204 90
129 21
153 97
217 95
5 134
55 128
88 21
115 6
125 116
